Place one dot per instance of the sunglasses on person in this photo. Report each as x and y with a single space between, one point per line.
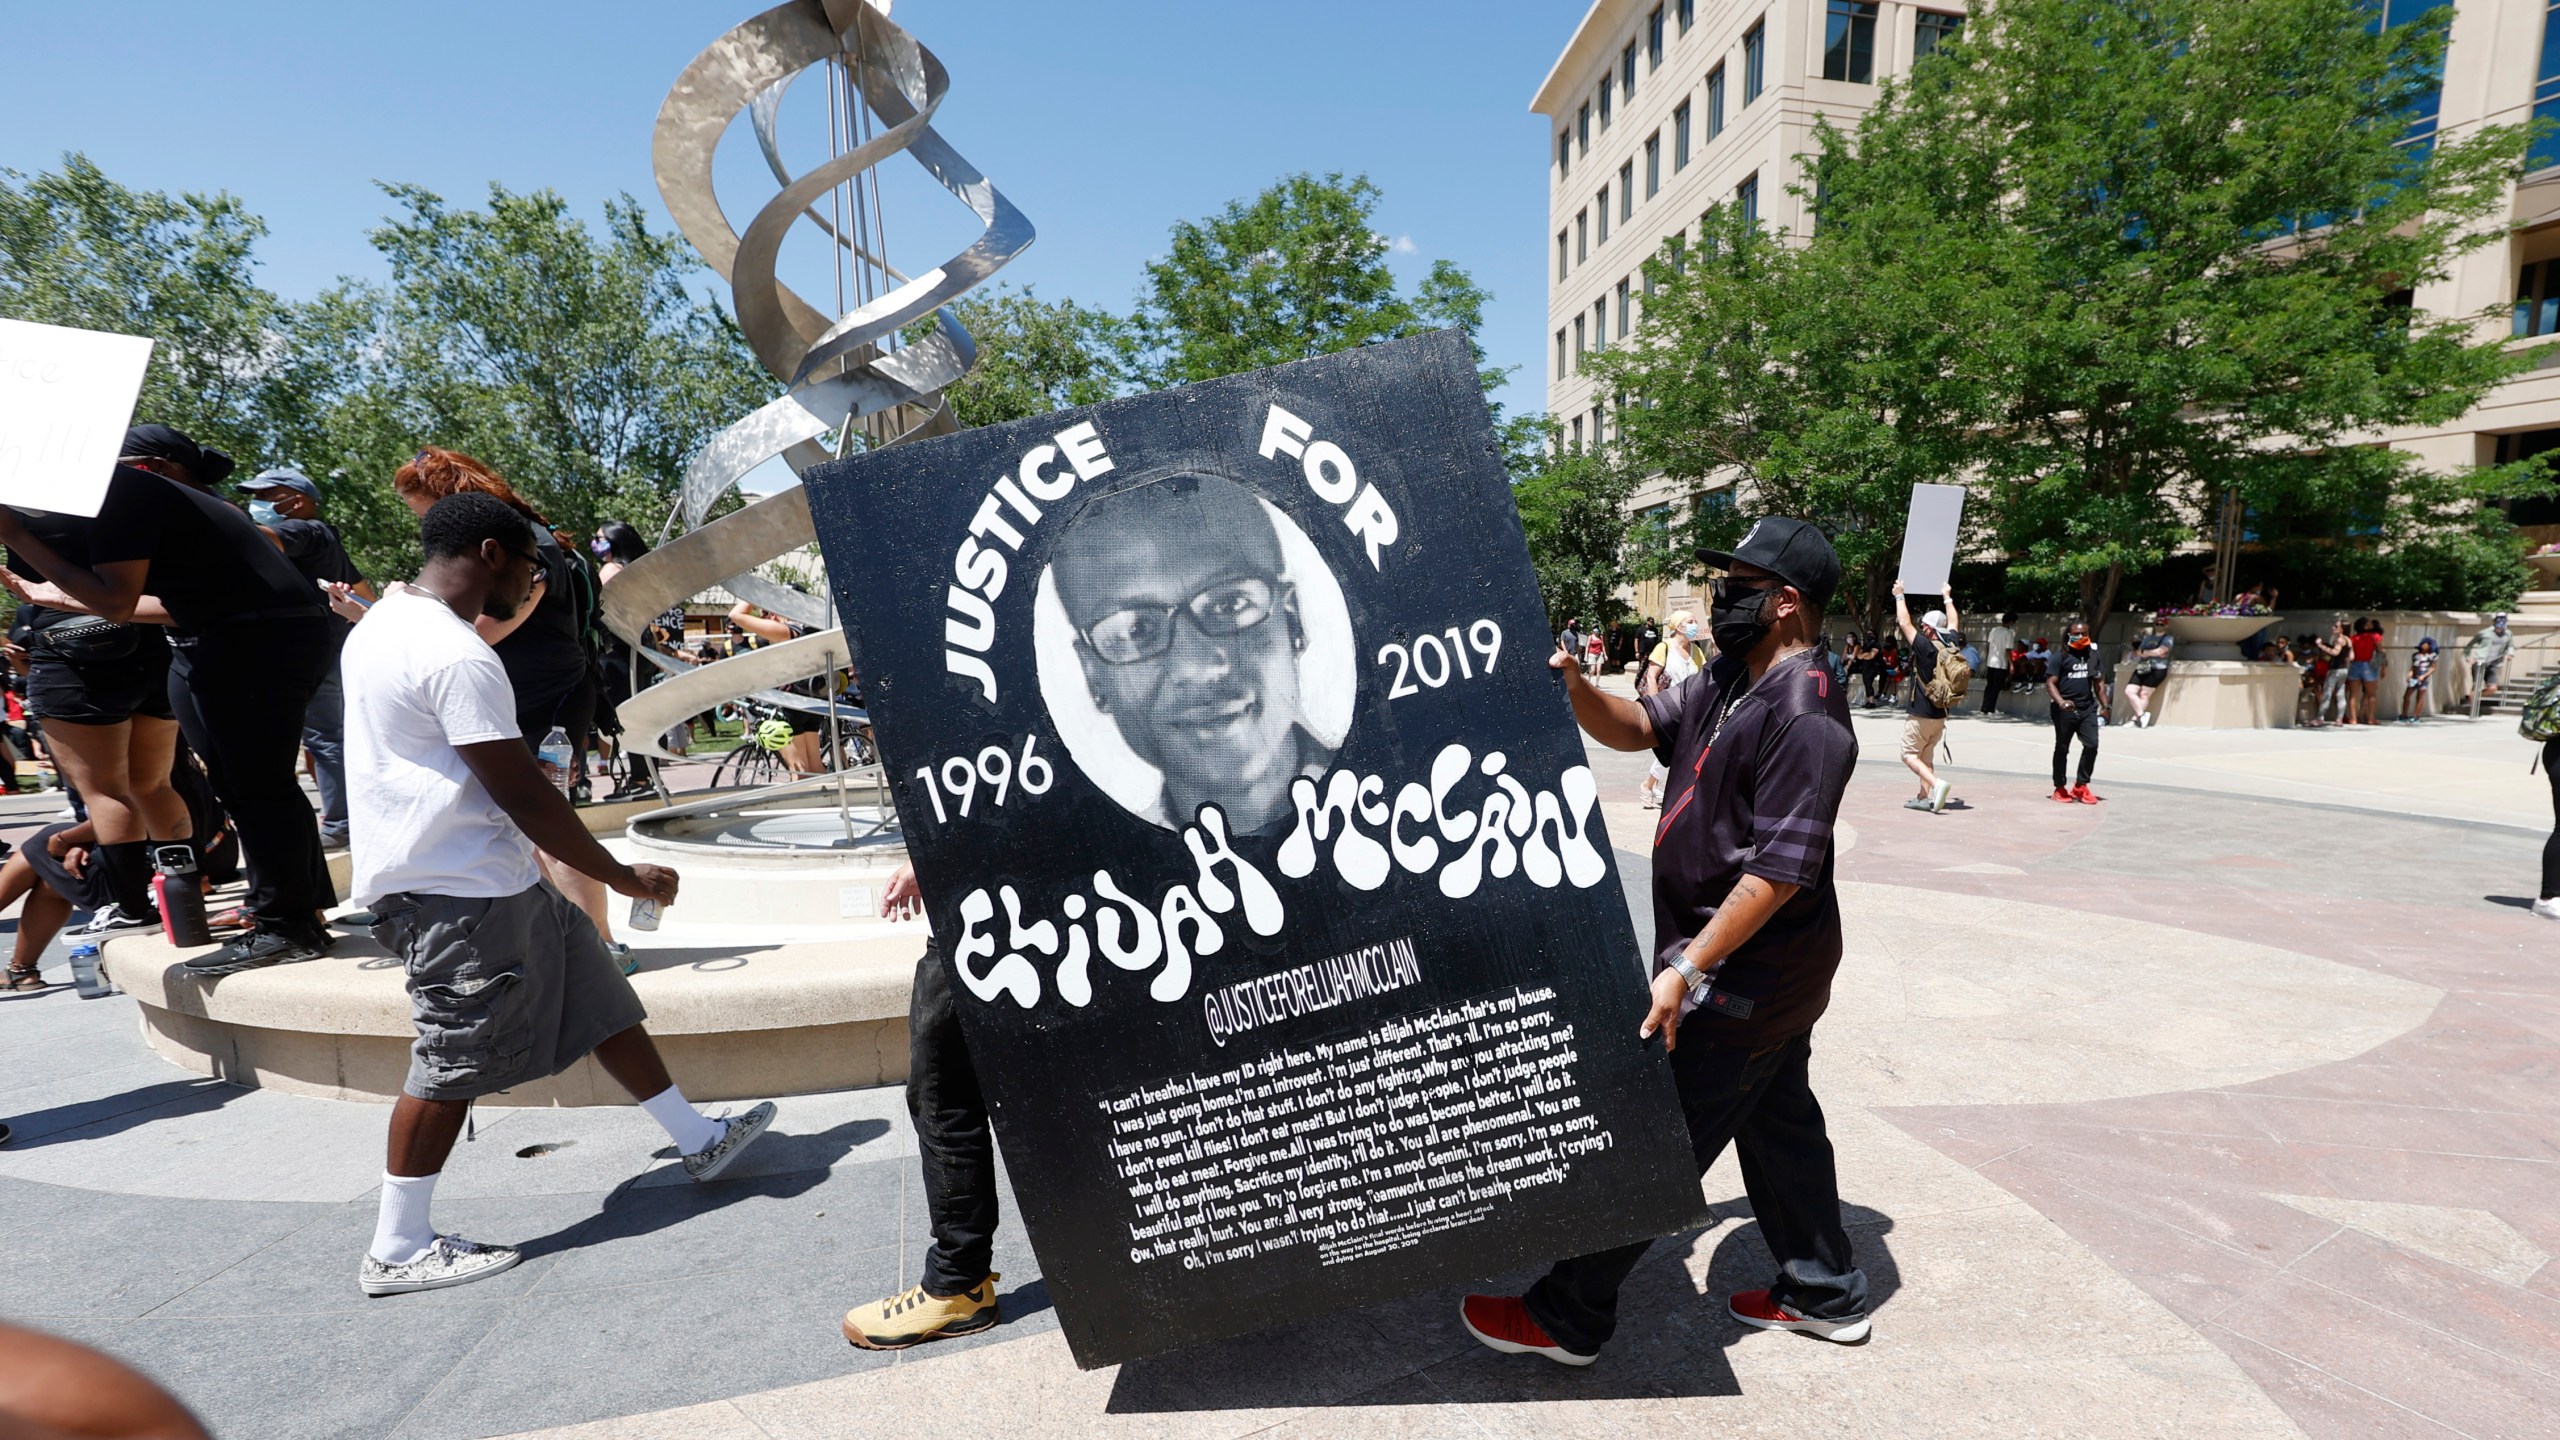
1143 632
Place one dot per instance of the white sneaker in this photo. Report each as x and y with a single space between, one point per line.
2548 909
452 1260
1938 795
739 1133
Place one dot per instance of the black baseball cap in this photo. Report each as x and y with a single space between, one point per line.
1795 551
160 442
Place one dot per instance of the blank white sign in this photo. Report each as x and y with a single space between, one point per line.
1929 541
66 397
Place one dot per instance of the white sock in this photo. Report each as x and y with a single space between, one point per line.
692 1130
401 1233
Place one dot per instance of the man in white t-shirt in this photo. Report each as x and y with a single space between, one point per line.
1995 661
508 982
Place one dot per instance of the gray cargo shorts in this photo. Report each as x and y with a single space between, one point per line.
503 991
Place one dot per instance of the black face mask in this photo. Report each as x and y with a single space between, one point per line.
1736 619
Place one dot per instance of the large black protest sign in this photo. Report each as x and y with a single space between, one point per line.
1258 838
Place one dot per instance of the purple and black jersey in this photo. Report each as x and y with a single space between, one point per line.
1760 800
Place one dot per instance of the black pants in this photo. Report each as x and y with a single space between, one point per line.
2067 722
1762 1101
953 1144
2551 847
1995 683
240 691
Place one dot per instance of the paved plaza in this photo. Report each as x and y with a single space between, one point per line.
2226 1107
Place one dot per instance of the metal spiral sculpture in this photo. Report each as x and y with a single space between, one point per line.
850 379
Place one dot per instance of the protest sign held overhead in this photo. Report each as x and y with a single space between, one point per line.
1929 538
1260 844
66 397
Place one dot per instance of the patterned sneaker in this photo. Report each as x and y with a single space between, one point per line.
1502 1323
452 1260
1754 1307
915 1317
254 951
623 959
740 1132
111 917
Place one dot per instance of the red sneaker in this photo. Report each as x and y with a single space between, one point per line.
2061 796
1503 1323
2081 794
1754 1307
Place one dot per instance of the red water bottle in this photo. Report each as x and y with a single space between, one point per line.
175 885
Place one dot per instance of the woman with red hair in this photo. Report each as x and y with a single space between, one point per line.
544 648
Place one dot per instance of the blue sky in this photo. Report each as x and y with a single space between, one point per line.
1104 120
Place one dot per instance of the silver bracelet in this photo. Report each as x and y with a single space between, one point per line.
1689 972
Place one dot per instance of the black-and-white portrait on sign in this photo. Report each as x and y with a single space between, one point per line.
1194 650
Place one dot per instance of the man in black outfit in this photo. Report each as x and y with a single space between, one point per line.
1747 934
2078 686
252 641
957 1153
286 505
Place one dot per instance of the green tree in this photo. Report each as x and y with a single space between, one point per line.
1573 511
2189 228
79 249
1034 356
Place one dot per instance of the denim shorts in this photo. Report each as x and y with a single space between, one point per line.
2364 670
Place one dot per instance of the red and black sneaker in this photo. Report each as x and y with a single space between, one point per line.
2061 796
2081 794
1503 1323
1754 1307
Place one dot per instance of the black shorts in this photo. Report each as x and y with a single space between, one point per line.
86 890
102 692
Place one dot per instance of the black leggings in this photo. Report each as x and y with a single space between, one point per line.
2551 847
240 691
954 1146
2082 722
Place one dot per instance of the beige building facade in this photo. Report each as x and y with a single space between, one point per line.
1661 109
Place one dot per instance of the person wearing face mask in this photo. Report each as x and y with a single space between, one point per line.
1676 660
1747 924
2077 686
285 504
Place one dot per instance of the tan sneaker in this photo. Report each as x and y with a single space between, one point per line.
915 1317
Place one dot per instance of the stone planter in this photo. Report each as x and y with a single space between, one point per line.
2546 571
2214 637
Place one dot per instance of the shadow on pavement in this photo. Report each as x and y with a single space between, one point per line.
779 1167
115 1114
1670 1343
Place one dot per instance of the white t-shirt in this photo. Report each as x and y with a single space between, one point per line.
419 682
1998 644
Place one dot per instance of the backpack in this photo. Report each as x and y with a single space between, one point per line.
2541 722
1946 684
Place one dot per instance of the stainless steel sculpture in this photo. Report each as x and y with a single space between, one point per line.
846 381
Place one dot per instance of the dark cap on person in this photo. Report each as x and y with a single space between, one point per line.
1795 551
160 442
283 478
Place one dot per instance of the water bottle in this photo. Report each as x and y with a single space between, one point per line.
84 972
180 894
556 755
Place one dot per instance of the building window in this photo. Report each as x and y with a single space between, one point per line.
1849 42
1604 103
1627 71
1600 323
1564 152
1627 191
1577 432
1582 129
1933 30
2546 95
1755 58
1715 102
1653 165
1604 214
1561 255
1688 13
1599 434
1581 236
1560 370
1581 346
1622 309
1653 40
1746 198
2420 134
2538 299
1680 137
